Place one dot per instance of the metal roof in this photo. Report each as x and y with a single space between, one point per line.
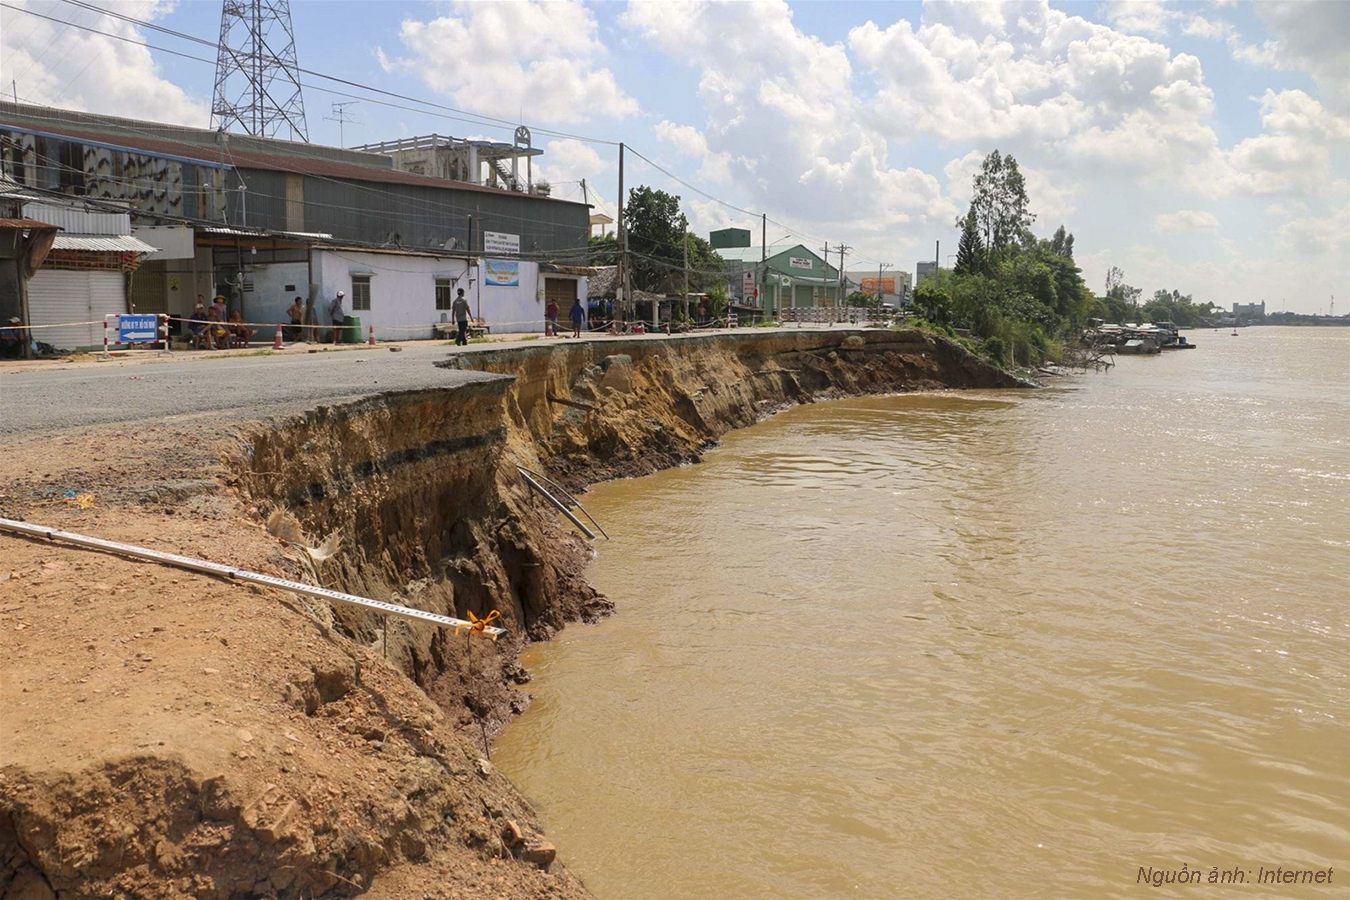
752 254
101 244
238 157
10 224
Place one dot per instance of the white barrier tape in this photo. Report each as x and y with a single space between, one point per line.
210 568
60 325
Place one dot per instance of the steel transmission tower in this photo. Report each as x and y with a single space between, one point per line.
257 73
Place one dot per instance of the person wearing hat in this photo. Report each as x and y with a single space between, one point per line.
197 324
336 313
11 338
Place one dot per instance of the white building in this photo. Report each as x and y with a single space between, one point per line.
405 293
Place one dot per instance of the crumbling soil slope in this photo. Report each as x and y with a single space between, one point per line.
169 734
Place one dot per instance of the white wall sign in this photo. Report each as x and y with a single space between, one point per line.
496 242
797 262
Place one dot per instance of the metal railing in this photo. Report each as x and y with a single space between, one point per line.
829 315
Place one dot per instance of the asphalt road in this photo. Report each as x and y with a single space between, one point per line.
54 399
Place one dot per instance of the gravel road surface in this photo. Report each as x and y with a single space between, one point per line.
47 400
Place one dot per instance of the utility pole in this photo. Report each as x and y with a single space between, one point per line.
880 267
824 272
763 255
340 116
839 292
685 223
621 289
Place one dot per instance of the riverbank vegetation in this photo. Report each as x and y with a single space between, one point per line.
1015 294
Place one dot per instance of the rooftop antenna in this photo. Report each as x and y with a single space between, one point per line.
340 116
257 71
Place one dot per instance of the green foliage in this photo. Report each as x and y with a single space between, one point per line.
1177 308
994 349
716 303
858 298
1014 293
1000 207
656 236
970 252
604 251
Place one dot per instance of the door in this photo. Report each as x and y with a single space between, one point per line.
562 291
61 296
147 288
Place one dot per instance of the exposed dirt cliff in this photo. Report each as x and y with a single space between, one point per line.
180 736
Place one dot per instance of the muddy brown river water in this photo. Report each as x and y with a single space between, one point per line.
993 644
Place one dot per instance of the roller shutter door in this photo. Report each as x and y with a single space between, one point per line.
561 290
56 296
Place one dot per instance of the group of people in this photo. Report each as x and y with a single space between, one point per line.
214 328
577 315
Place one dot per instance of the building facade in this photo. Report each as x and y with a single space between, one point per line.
787 276
1249 310
243 216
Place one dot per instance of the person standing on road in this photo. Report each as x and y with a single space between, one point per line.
460 310
551 318
296 311
336 313
578 316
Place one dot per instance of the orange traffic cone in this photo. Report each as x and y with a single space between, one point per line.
276 341
370 341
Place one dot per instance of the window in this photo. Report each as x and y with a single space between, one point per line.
360 292
445 294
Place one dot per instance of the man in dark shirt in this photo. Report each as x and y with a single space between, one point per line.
460 310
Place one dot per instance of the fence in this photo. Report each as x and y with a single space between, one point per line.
829 315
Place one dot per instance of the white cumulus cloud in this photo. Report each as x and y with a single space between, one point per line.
54 65
1186 220
502 58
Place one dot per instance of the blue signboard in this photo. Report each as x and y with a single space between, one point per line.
141 329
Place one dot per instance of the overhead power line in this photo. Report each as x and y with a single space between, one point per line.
479 117
433 109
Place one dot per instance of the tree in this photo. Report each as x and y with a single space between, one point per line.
1000 204
1062 243
655 245
970 251
604 251
1114 278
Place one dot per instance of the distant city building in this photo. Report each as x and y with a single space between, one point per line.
924 271
895 287
1250 309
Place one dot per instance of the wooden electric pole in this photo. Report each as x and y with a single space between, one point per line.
621 282
761 275
685 223
839 292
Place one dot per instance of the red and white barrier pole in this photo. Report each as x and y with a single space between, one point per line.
370 341
276 341
106 354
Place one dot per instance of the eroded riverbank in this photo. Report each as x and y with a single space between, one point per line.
235 743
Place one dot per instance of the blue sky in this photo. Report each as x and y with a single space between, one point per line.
1200 146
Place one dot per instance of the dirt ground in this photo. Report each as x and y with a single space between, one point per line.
171 734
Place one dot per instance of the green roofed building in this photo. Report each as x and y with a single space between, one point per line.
789 276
